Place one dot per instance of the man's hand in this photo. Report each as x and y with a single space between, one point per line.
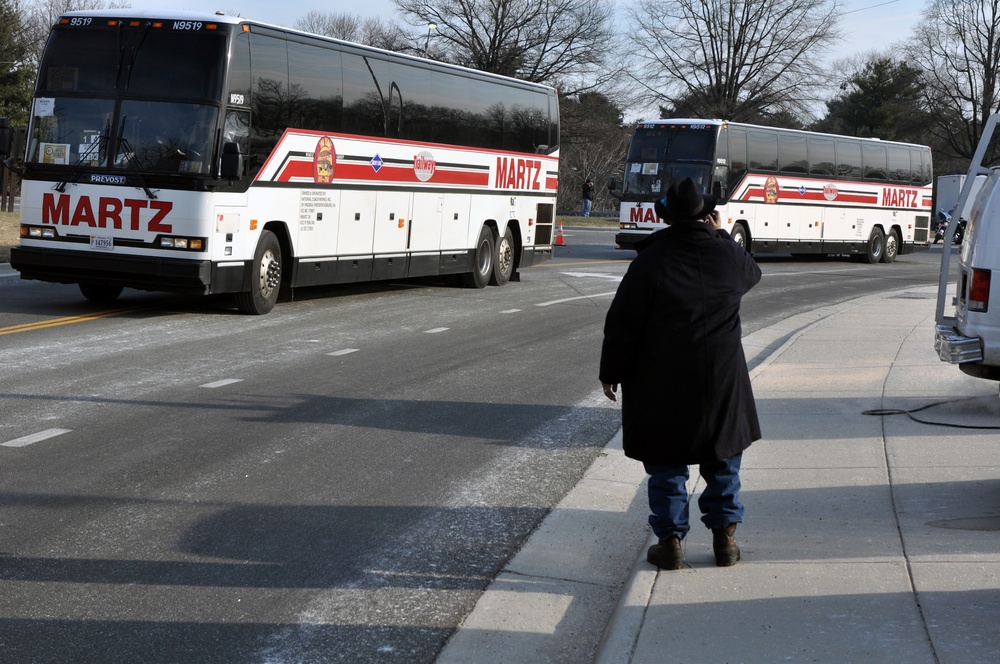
610 390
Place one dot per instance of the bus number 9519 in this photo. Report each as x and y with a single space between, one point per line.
187 25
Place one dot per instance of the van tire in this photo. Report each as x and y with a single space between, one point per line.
876 246
891 247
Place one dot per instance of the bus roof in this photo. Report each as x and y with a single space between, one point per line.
221 17
722 123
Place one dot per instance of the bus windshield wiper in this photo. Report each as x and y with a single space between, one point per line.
98 146
130 159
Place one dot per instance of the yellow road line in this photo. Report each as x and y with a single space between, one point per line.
68 320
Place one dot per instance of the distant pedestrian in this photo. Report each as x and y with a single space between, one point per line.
672 340
588 196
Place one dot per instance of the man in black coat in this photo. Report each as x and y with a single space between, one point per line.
672 340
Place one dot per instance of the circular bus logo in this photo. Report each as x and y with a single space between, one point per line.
771 190
424 165
324 160
830 192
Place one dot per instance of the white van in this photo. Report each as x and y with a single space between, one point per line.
970 336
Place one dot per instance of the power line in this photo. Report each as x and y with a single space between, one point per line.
881 4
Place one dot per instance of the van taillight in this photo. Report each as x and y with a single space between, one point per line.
979 290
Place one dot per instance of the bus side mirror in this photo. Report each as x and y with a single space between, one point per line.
612 182
5 137
717 191
232 161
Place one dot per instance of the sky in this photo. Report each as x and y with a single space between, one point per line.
867 24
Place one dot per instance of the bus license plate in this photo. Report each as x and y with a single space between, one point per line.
103 242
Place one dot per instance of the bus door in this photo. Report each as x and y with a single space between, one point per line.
392 226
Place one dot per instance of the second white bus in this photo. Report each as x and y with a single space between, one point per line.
783 190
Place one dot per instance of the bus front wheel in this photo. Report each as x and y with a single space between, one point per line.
503 261
739 235
265 279
891 247
482 261
101 292
876 246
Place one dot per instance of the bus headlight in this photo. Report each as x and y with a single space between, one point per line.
182 243
628 226
38 232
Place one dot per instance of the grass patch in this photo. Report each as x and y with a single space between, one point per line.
592 222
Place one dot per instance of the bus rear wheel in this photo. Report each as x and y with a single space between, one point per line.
503 261
265 279
482 261
101 292
876 246
891 247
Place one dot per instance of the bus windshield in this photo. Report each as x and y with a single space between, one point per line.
660 155
102 101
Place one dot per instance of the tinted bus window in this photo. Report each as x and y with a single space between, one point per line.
269 97
926 173
898 159
79 61
822 156
487 115
366 82
187 76
451 121
314 84
239 71
762 150
849 159
792 153
737 155
410 102
874 161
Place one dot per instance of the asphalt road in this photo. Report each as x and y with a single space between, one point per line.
336 481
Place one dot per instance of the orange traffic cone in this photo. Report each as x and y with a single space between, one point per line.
560 241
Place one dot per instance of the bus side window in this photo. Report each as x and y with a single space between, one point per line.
737 156
848 159
762 150
270 97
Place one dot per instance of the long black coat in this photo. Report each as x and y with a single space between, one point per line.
672 340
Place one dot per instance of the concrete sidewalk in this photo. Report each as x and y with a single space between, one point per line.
868 537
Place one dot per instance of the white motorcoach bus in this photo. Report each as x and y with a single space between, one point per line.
202 153
783 190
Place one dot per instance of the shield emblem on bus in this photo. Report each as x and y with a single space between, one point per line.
324 160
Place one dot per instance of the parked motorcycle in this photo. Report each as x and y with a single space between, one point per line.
943 219
960 231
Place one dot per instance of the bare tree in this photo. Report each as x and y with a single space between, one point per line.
733 59
371 31
958 46
546 42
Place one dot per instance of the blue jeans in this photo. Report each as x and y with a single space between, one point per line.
586 207
668 497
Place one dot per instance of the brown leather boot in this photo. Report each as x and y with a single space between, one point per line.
724 545
667 554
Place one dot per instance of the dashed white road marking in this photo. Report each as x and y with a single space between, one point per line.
510 311
597 275
343 351
35 437
436 330
570 299
222 383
